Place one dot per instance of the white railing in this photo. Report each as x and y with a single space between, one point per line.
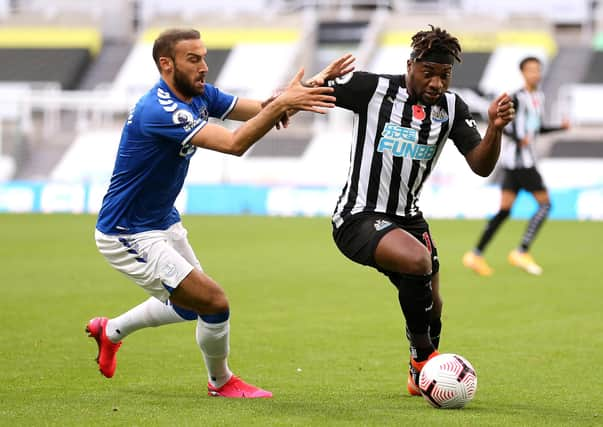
89 109
104 108
93 109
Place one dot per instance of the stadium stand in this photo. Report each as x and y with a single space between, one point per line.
59 134
271 50
55 54
64 66
104 67
88 159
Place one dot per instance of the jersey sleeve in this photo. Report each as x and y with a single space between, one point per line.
176 126
464 131
219 104
353 91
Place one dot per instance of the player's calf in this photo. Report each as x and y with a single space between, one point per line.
416 301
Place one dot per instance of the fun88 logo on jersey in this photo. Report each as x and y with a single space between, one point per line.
402 142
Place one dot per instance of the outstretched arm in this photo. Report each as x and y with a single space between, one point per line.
484 156
565 125
339 67
296 97
246 108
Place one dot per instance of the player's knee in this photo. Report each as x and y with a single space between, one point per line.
215 302
210 300
419 263
220 302
545 208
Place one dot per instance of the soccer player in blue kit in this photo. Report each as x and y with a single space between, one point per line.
139 231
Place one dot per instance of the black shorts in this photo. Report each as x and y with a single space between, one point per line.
357 238
527 178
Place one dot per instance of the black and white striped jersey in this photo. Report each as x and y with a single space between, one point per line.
527 124
396 142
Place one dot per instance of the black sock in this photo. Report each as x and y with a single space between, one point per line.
423 353
416 302
491 228
423 347
435 328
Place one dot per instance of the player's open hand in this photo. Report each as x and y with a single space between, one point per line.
337 68
301 98
501 111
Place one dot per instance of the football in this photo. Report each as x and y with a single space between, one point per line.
448 381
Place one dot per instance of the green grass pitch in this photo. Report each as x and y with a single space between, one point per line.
324 334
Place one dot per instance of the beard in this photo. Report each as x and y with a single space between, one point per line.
184 86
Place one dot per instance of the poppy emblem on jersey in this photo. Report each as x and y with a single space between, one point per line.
438 114
418 112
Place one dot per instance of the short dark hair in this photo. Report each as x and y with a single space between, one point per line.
435 40
165 42
527 59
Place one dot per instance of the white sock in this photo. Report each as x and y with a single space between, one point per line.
213 339
152 312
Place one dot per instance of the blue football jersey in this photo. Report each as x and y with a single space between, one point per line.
153 158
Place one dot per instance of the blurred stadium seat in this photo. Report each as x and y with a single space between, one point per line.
65 90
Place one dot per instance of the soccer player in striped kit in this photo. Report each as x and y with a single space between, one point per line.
519 169
400 126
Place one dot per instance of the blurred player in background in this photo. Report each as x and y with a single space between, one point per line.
519 170
400 127
139 231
